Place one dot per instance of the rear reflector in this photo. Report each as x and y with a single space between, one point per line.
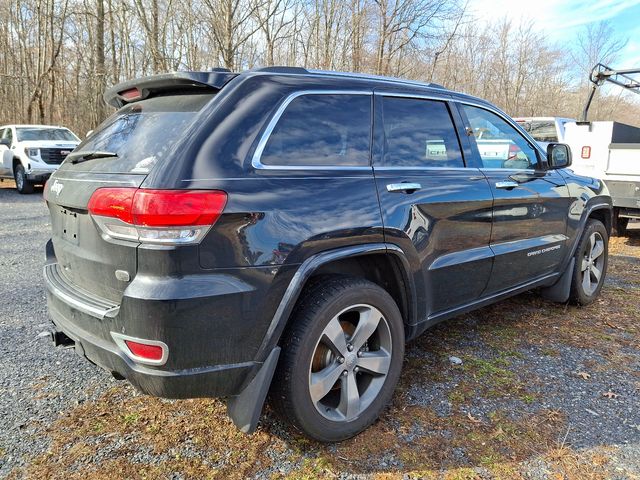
149 352
156 216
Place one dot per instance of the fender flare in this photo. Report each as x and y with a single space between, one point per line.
583 223
560 290
309 266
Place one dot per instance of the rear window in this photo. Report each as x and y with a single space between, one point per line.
322 130
141 134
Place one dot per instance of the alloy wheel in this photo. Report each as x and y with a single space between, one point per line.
350 363
592 263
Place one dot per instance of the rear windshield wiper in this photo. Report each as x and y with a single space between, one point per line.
79 157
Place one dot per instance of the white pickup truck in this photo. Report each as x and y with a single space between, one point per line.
31 153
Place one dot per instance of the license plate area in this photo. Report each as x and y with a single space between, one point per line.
69 226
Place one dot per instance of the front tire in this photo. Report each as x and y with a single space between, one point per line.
592 257
341 359
22 184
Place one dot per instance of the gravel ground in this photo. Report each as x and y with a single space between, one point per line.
41 385
37 381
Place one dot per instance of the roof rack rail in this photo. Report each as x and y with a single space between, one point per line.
376 77
281 69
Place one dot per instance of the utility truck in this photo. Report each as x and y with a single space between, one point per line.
610 150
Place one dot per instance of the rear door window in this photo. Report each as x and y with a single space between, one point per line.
141 133
322 130
419 133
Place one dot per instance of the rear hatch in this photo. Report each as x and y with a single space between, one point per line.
119 154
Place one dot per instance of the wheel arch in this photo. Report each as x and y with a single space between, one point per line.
604 214
381 263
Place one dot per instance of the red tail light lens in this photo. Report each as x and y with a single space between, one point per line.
131 94
169 208
148 352
156 216
113 202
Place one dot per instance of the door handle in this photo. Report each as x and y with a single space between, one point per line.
403 187
507 184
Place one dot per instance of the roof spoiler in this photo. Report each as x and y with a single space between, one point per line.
141 88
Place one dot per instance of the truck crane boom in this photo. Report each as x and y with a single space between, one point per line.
601 73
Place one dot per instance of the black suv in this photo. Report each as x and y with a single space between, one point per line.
286 231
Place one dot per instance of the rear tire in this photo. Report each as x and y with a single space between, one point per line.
341 359
22 184
590 270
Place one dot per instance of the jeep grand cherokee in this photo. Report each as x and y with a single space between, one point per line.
285 232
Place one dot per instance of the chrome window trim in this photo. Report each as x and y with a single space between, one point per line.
256 159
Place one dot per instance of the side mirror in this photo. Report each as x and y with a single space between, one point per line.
89 133
558 155
6 142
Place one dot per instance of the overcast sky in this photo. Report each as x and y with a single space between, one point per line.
560 20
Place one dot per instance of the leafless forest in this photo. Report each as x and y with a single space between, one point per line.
57 56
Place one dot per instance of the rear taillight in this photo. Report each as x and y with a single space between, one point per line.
156 216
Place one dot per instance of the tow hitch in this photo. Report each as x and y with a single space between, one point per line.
59 339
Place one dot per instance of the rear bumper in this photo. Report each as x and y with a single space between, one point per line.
216 381
212 337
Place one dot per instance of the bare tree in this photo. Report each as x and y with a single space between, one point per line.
55 53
